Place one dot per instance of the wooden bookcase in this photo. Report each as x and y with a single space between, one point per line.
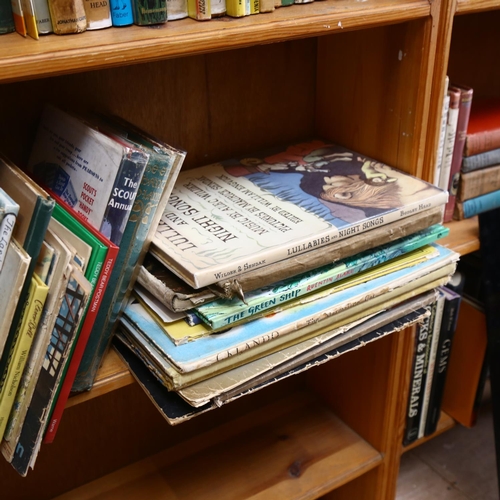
366 74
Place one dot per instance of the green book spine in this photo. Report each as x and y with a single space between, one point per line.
148 12
6 19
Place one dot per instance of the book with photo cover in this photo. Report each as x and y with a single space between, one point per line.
242 214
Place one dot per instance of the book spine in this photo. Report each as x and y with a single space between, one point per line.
147 13
449 139
19 352
442 135
480 142
448 326
218 8
6 18
266 6
17 14
67 17
98 14
254 7
176 9
431 362
121 12
29 18
481 160
6 230
478 205
416 382
199 9
42 16
478 182
236 8
456 162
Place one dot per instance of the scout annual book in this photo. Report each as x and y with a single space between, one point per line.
230 217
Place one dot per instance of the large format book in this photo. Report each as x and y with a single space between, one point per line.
159 176
12 279
478 182
256 375
63 335
18 354
456 162
95 174
9 210
243 214
483 131
475 206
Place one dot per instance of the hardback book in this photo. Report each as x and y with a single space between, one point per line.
270 331
57 282
18 353
9 210
68 17
98 272
417 381
483 131
266 6
160 174
17 13
35 211
200 9
238 8
253 376
121 12
458 149
449 138
222 313
6 18
91 172
481 160
448 326
98 14
176 9
442 132
478 182
68 319
243 214
475 206
12 278
42 17
148 12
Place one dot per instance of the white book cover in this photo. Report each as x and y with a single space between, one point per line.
9 209
227 218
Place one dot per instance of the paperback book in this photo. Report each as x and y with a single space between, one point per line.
9 209
237 215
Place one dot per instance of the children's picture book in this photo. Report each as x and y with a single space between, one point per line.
230 217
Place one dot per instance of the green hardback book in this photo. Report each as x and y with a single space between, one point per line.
147 12
158 179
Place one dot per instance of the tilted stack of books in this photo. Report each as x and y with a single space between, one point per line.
264 266
88 207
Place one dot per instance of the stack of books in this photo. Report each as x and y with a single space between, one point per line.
76 225
479 187
264 266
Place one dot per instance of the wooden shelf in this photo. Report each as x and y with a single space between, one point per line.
25 58
463 237
471 6
445 423
293 448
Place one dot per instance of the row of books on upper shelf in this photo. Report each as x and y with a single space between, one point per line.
266 265
42 17
87 205
449 366
468 159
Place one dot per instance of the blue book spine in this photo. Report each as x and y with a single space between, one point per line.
481 204
121 12
481 160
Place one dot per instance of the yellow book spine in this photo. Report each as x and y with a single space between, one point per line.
19 353
199 9
236 8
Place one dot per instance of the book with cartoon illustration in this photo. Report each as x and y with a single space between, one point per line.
230 217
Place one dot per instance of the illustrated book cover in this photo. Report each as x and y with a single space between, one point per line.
230 217
9 210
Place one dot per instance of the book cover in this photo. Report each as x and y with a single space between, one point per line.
227 218
147 12
442 132
29 18
237 8
12 279
57 282
415 396
62 337
18 354
67 17
98 272
6 18
199 9
121 12
9 210
478 182
218 8
213 348
17 14
266 6
449 138
159 176
481 160
42 17
483 130
475 206
466 94
222 312
176 9
448 326
78 163
98 14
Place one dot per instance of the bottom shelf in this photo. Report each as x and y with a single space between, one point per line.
293 448
445 423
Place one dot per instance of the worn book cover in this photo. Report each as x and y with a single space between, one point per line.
481 160
199 10
98 14
68 17
237 215
478 182
9 210
475 206
176 9
147 12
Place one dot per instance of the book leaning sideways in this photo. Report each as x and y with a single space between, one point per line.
237 215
